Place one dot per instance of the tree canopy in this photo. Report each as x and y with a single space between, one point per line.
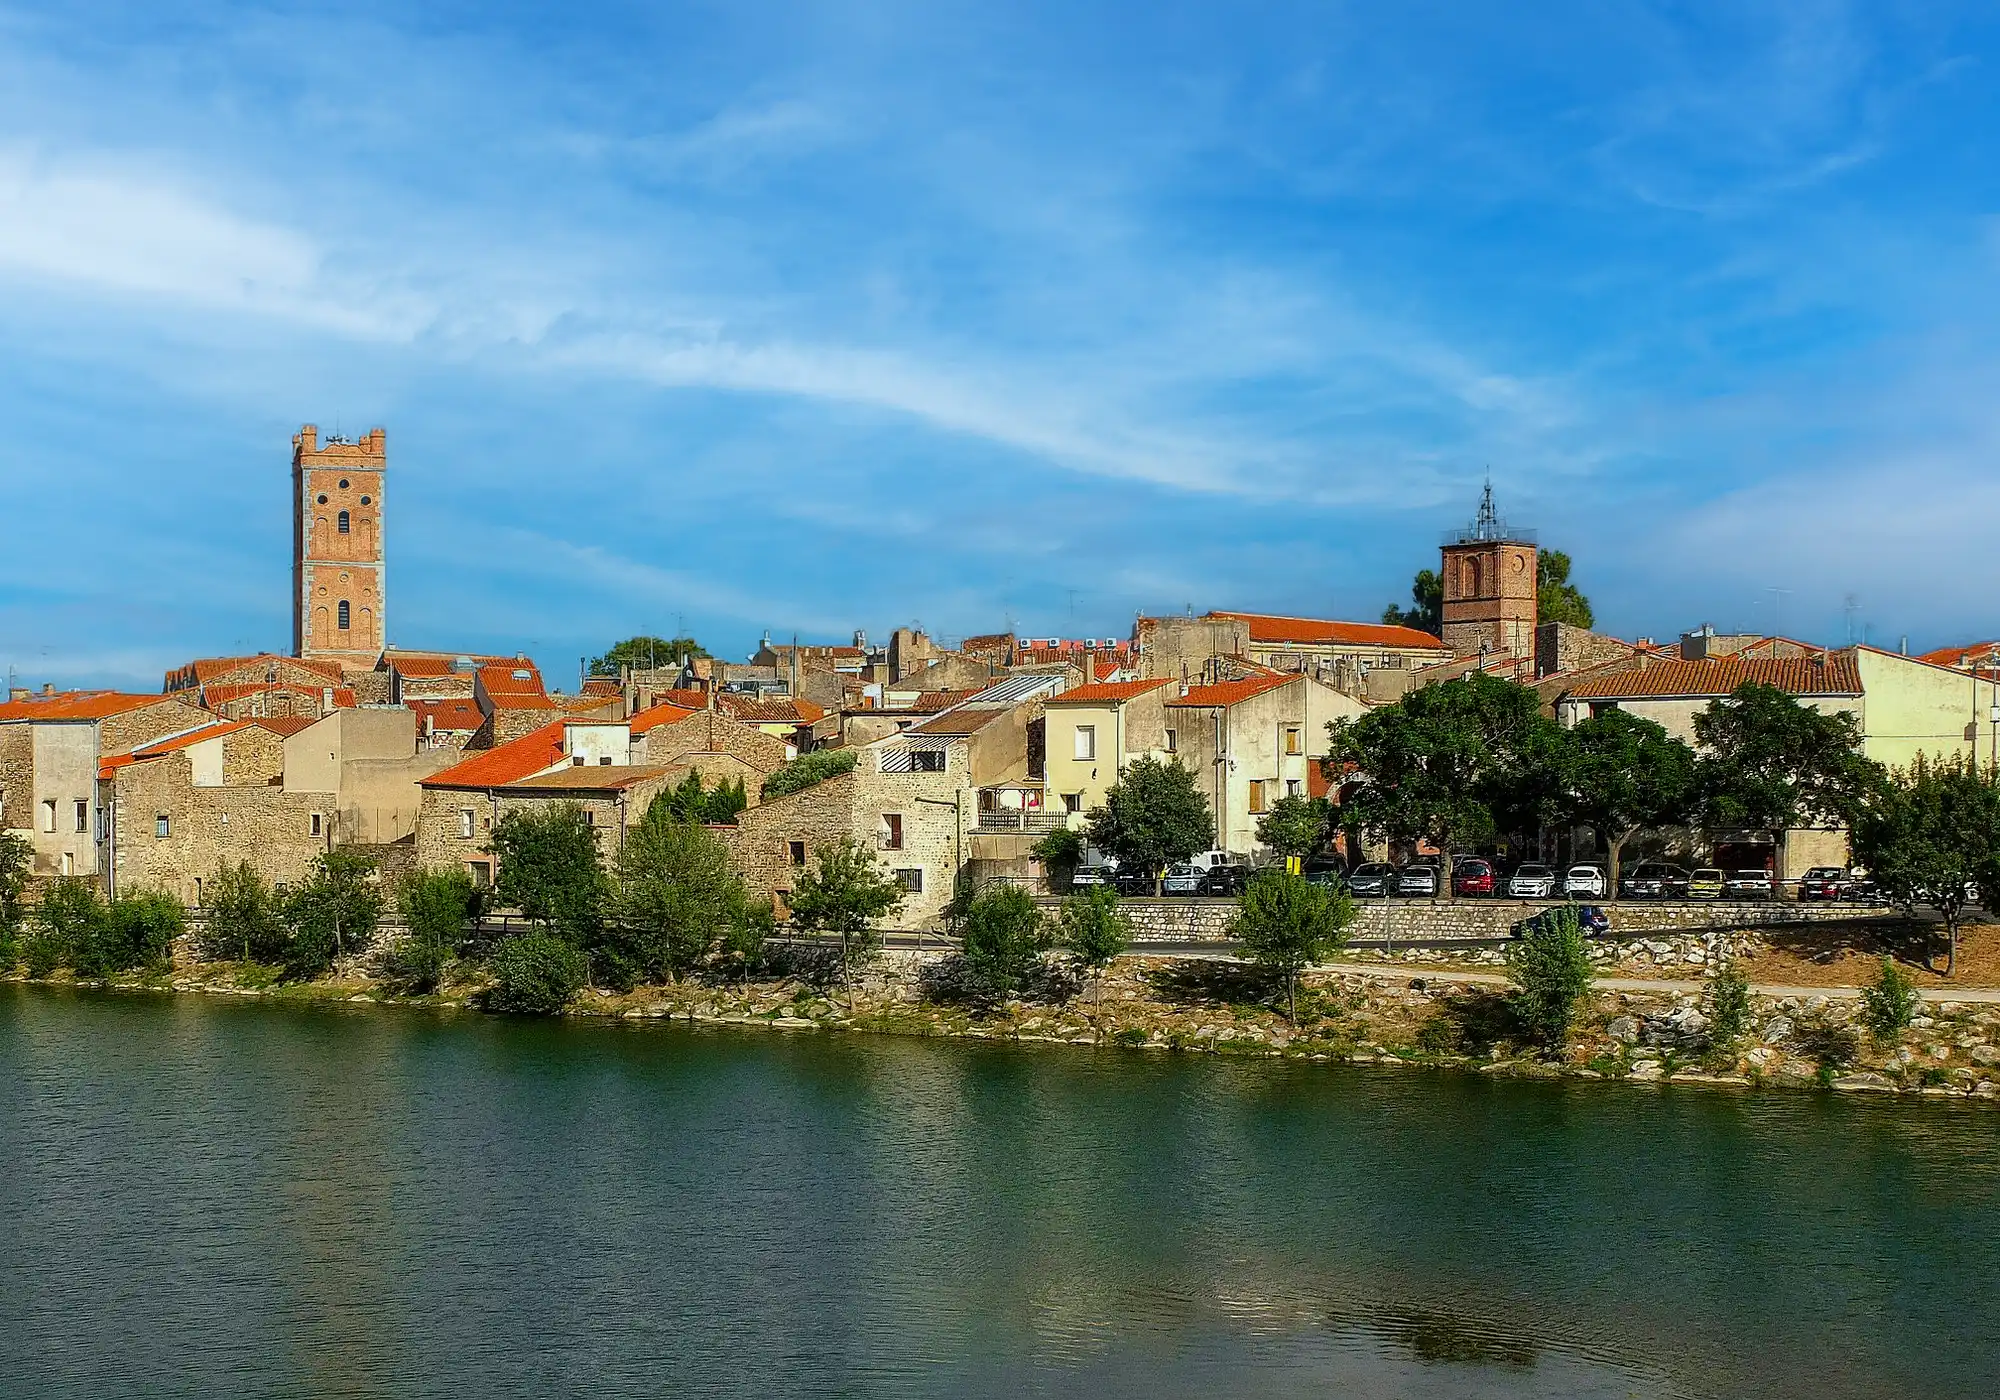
1297 826
844 892
332 912
677 898
1770 763
1931 835
1623 774
1152 817
1427 594
806 770
549 870
1556 598
1287 923
646 653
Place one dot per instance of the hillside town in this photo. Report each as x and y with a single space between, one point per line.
948 761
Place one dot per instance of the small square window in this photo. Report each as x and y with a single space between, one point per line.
82 818
604 762
796 850
892 831
316 827
1292 740
161 827
1086 743
1072 801
1291 787
466 817
1257 799
1173 742
911 880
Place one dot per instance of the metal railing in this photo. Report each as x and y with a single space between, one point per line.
1007 820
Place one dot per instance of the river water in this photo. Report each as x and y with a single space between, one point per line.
221 1198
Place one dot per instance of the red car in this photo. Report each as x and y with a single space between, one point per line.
1472 877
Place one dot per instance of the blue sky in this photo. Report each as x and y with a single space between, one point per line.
736 316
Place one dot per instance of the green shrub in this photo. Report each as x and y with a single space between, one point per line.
332 914
1095 931
807 770
69 925
243 918
1060 852
1728 1003
415 966
1003 939
1888 1003
436 904
138 930
1287 923
1549 966
534 974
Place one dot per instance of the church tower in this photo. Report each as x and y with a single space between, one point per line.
337 558
1489 586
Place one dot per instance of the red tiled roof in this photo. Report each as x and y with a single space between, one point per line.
602 686
591 778
666 712
427 666
159 748
1310 630
203 669
81 704
284 726
1229 692
1827 673
931 701
1106 693
532 753
521 700
1958 656
512 678
756 711
449 715
224 692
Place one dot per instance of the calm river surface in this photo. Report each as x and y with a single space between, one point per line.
208 1197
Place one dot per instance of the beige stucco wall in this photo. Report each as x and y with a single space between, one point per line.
1911 708
1125 731
65 773
1253 741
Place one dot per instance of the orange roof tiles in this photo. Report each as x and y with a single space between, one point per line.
752 710
532 753
1106 692
212 666
1229 692
224 692
931 701
593 777
284 726
81 705
1829 673
511 678
159 748
1958 656
425 666
1309 630
666 712
452 715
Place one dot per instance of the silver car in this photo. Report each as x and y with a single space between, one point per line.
1531 881
1418 880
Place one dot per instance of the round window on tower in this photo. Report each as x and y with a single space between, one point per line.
322 499
343 483
364 500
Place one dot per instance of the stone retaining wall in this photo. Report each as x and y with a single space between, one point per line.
1388 921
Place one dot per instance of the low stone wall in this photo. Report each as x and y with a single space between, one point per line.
1399 920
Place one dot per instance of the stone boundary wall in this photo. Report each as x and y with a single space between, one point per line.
1380 921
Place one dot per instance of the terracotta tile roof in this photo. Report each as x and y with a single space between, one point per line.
1829 673
1310 630
1956 657
209 667
425 666
758 711
284 726
666 712
589 777
1106 693
1229 692
991 641
82 704
159 748
931 701
599 685
224 692
512 678
532 753
451 716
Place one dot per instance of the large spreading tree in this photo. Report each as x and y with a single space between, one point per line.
677 895
646 653
1931 835
1427 596
1623 775
1153 816
1556 598
1770 763
550 871
1452 764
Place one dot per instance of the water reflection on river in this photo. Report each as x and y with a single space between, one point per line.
206 1197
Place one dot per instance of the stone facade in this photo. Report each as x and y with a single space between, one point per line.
1562 648
711 733
338 562
165 831
1490 597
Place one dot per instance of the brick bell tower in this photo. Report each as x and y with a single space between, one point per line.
1489 586
337 557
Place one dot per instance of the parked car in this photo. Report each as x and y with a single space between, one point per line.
1330 876
1531 881
1225 880
1418 881
1089 875
1594 921
1584 880
1473 876
1706 883
1751 884
1181 879
1656 879
1374 880
1133 883
1826 882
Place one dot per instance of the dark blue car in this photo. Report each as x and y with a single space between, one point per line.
1593 920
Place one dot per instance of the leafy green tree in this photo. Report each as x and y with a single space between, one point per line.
843 893
69 926
244 921
1549 966
1931 835
1297 826
1003 938
1060 851
808 770
550 871
1890 1002
1556 598
646 653
1623 775
1769 763
717 806
1287 923
1427 592
436 904
746 936
1728 1003
17 862
535 974
1152 817
677 895
1448 763
1095 931
137 929
331 914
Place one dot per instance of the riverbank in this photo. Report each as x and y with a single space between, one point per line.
1437 1016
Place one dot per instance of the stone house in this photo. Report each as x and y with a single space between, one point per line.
1251 742
364 765
51 747
713 743
1342 654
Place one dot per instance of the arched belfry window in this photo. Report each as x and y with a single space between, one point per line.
343 522
343 615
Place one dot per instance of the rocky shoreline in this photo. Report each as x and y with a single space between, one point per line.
1209 1006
